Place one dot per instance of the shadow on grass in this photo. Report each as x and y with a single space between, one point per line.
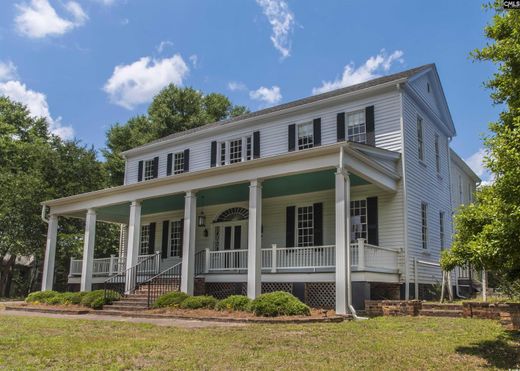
502 353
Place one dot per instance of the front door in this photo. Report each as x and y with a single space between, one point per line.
229 236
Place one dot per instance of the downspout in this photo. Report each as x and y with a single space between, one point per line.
405 201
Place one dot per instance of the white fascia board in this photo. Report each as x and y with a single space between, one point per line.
214 130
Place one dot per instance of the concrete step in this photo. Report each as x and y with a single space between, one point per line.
131 303
440 313
124 307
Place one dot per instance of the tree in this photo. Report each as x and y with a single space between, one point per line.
488 233
173 110
35 166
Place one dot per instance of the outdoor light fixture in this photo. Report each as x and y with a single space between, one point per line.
202 219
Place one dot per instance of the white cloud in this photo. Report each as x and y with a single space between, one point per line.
39 19
36 103
236 86
106 2
194 59
7 71
163 45
138 82
282 22
266 95
476 163
374 67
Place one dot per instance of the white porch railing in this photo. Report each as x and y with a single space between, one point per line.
103 266
363 256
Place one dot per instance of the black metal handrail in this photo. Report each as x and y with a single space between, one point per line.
138 274
166 281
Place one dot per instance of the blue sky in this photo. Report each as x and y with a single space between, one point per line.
87 64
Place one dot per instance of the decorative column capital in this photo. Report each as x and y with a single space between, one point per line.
190 194
91 212
135 203
255 183
342 171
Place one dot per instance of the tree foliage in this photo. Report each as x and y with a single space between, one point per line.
173 110
488 233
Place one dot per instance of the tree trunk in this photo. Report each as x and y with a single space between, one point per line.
6 275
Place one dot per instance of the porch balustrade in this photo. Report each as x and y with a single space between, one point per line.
103 266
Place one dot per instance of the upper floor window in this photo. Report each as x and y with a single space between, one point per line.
305 135
470 193
149 169
441 229
420 139
437 154
236 150
356 127
461 198
178 163
424 225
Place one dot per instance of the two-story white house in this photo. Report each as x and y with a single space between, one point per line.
337 198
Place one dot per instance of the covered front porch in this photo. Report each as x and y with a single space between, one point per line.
284 224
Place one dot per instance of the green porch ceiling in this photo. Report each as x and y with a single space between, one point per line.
282 186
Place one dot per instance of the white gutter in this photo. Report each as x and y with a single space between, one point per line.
44 211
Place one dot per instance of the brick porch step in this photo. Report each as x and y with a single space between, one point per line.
440 313
439 306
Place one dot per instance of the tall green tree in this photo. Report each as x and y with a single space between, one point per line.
34 166
173 110
488 232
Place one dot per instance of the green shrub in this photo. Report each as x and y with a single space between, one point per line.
235 302
170 299
96 299
278 303
40 296
197 302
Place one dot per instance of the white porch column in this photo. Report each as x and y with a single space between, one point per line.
254 246
88 251
134 240
50 253
343 294
188 247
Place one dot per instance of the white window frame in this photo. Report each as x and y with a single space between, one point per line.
309 241
359 208
144 239
424 225
178 162
245 147
420 138
309 142
461 194
442 231
361 135
175 237
470 193
148 169
437 154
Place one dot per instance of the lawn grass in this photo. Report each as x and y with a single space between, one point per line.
381 343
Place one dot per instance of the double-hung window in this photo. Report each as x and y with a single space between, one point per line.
305 135
145 239
358 216
356 127
420 139
441 229
424 225
178 163
149 169
305 226
176 238
236 150
437 154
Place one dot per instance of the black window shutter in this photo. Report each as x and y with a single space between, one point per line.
155 167
151 241
292 137
289 225
340 126
140 171
372 221
165 235
186 160
369 117
318 224
256 144
169 163
316 125
213 154
181 238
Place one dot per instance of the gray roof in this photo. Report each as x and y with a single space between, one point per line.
314 98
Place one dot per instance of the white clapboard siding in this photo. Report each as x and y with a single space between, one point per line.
274 134
420 85
462 186
424 184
